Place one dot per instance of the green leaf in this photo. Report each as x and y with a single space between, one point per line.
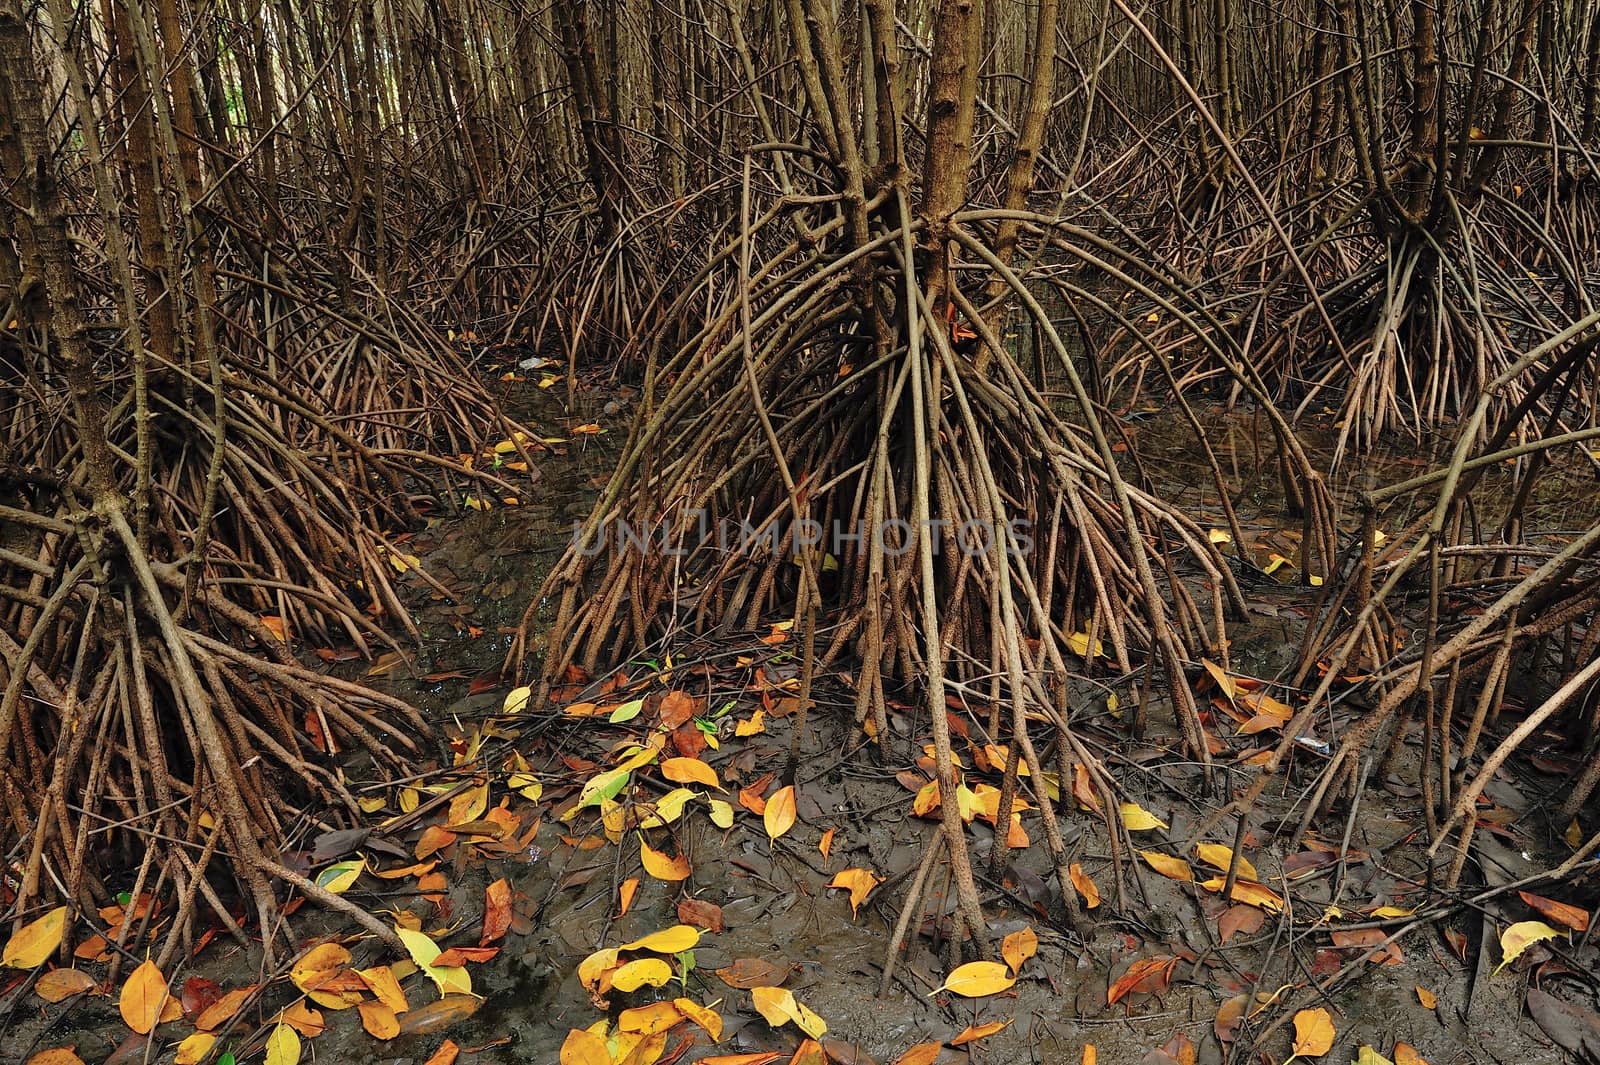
626 712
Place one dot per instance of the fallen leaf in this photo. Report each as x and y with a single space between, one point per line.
750 973
1577 1030
379 1020
1167 865
1248 892
1217 856
1237 919
1018 947
382 982
1090 1056
1365 1055
1559 912
1519 937
195 1046
636 974
445 1055
1406 1054
1144 975
859 882
439 1014
223 1009
1313 1034
658 865
583 1047
283 1046
647 1020
778 1006
144 995
674 940
704 1016
496 911
56 1056
424 951
763 1057
976 979
625 892
1084 886
701 914
34 942
690 771
921 1054
58 984
779 815
1427 998
826 844
973 1032
1136 818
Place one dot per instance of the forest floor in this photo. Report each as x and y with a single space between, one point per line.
1164 975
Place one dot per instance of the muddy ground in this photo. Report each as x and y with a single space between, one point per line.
775 906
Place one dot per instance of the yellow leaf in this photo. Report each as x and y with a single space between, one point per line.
423 951
721 813
584 1048
595 965
1313 1033
1218 536
283 1046
648 1020
1018 947
704 1016
774 1004
859 882
674 940
1367 1056
755 724
314 963
379 1020
978 978
1248 892
1168 866
143 998
193 1048
689 771
779 815
1519 937
517 700
33 943
1079 644
660 866
1428 999
338 877
635 974
1136 818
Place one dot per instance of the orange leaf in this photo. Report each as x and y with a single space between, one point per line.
56 1056
779 815
921 1054
660 866
625 892
765 1057
689 771
1147 974
496 911
1428 999
379 1020
1083 790
1559 912
382 982
143 997
648 1020
1313 1033
1085 886
446 1054
974 1032
223 1009
826 844
859 882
